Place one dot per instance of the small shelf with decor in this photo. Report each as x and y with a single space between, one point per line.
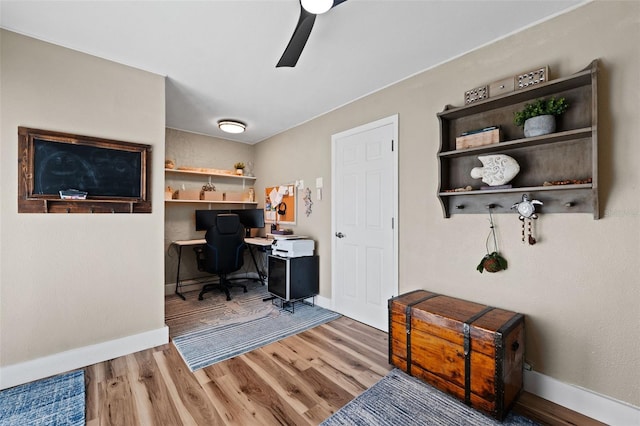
213 174
559 168
194 177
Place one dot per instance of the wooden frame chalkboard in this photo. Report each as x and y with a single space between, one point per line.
115 174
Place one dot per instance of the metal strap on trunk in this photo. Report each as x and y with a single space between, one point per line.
499 360
390 303
467 352
407 314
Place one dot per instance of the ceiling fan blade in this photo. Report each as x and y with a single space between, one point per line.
298 39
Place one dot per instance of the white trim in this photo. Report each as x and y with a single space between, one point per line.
583 401
393 120
24 372
323 302
186 287
196 285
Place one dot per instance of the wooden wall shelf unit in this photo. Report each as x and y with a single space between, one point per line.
212 176
569 155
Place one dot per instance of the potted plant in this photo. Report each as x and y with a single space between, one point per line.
239 166
492 263
539 117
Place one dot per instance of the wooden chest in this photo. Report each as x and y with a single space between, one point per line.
469 350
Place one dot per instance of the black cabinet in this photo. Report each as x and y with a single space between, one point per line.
293 278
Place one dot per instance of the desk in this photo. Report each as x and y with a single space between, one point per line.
263 244
251 243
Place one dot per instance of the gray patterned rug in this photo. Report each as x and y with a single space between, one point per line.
187 316
57 400
241 325
399 399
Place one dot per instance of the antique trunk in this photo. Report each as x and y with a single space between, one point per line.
469 350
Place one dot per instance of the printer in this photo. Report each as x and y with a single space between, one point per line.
292 247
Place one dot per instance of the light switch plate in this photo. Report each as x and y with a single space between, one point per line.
319 182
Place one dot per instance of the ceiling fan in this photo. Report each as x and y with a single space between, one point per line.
309 9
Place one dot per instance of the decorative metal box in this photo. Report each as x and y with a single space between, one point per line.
506 85
476 94
537 76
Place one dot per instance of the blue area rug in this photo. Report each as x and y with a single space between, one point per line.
207 346
399 399
57 400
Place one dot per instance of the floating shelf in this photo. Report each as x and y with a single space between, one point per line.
217 175
209 202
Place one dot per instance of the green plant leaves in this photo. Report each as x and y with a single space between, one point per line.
492 263
550 106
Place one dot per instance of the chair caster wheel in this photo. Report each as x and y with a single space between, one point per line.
245 290
200 297
228 298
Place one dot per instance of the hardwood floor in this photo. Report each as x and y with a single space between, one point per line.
300 380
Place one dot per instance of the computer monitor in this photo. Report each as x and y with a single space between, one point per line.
205 219
250 218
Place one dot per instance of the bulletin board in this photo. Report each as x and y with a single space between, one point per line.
285 212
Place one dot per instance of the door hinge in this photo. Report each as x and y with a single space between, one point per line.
393 223
392 141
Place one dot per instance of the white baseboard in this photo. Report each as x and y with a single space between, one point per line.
195 285
184 288
24 372
583 401
324 302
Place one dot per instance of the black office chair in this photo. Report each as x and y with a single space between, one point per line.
223 253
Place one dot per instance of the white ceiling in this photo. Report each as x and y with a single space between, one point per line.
219 56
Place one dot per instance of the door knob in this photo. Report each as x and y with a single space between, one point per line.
340 235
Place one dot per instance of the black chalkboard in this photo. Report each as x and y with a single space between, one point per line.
102 172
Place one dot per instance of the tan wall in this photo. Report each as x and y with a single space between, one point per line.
194 150
303 153
70 281
579 285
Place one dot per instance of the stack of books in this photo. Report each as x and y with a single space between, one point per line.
478 137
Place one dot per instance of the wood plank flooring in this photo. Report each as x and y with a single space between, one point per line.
300 380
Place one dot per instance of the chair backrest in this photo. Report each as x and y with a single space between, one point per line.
224 251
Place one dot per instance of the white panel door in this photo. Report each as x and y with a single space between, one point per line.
364 255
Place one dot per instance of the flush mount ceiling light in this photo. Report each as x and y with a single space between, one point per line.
317 7
231 126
